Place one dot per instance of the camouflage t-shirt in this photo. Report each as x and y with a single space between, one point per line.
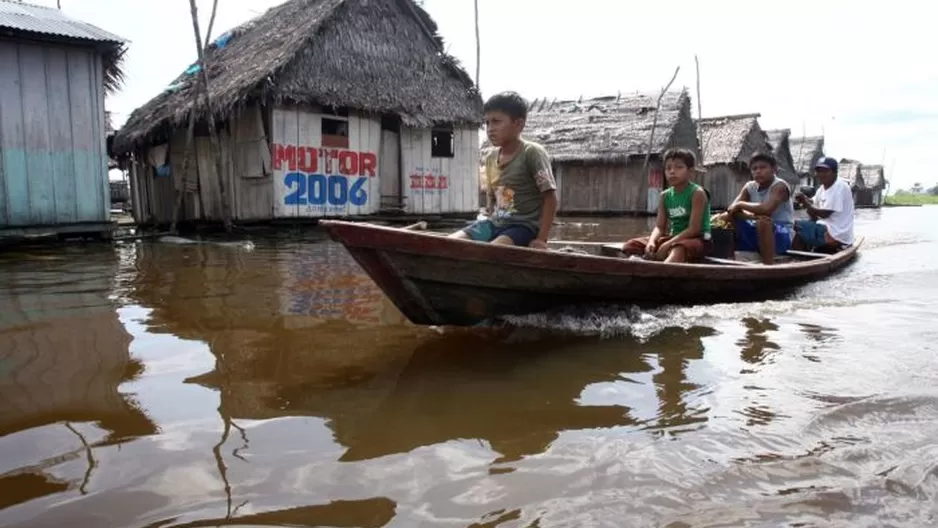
518 185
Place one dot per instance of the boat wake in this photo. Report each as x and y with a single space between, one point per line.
608 321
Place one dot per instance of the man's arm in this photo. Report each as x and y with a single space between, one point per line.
833 203
777 195
741 198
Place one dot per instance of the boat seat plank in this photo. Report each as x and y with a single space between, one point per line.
806 254
728 262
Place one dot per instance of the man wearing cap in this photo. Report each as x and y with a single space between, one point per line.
830 228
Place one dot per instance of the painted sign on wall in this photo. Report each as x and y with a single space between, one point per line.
428 180
322 180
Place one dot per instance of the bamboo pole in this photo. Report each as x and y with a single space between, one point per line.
190 132
210 112
700 139
654 122
478 45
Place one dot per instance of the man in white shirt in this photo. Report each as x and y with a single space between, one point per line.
831 226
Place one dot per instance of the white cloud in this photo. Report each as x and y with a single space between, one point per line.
830 66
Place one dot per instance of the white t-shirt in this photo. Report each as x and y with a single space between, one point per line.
839 199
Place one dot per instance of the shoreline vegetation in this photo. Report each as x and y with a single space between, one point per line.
910 200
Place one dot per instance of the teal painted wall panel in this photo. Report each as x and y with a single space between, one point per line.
53 162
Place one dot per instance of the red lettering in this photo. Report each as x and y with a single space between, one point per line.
313 160
443 182
416 181
429 181
367 164
307 160
348 163
327 161
283 153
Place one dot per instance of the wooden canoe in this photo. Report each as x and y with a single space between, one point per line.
437 280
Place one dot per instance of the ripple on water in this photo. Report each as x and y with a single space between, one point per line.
201 384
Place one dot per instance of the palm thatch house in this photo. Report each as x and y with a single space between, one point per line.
849 171
779 141
326 108
598 147
728 142
54 74
874 178
805 152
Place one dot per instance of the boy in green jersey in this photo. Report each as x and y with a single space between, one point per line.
682 230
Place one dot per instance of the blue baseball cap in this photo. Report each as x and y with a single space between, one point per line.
826 163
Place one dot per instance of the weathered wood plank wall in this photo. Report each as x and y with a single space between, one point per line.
53 161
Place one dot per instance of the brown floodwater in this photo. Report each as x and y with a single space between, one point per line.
155 384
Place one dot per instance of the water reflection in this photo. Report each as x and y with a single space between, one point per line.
756 344
63 353
515 395
367 513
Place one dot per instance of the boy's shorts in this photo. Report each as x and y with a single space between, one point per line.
486 231
747 236
811 233
696 248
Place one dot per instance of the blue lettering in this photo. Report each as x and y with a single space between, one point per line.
333 192
296 197
357 195
338 190
318 191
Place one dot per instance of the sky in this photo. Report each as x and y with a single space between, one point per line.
859 73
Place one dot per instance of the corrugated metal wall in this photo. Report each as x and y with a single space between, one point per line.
440 185
53 161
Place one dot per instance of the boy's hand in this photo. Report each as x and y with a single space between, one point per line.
651 248
537 243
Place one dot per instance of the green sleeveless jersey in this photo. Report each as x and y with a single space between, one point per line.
678 206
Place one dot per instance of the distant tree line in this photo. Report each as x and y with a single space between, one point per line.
918 188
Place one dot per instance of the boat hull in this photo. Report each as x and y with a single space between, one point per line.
437 280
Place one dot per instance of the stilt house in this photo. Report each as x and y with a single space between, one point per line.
598 147
325 108
805 152
54 74
728 142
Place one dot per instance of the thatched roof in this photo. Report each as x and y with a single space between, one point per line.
731 139
873 176
20 19
849 171
778 140
379 56
605 129
805 151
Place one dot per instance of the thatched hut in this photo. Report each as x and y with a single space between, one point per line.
875 179
598 147
779 141
805 152
326 108
849 171
728 142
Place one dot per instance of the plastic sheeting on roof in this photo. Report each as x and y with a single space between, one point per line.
37 19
